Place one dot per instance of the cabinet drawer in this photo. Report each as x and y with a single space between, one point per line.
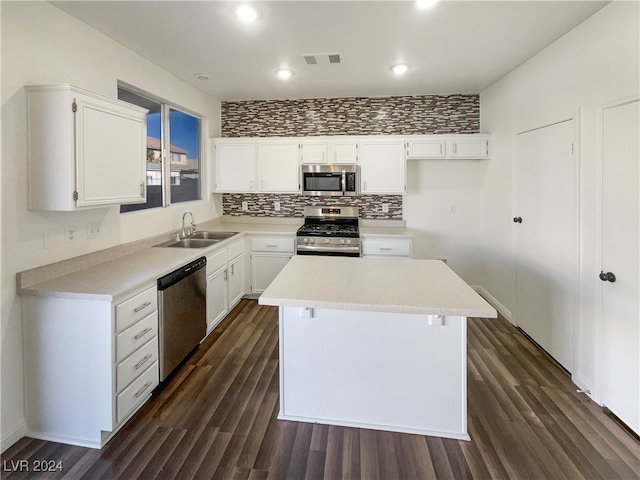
132 367
136 308
138 391
387 248
216 261
236 249
272 244
135 336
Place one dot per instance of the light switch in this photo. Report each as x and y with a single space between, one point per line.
306 312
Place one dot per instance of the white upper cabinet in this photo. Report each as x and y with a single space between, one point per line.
468 146
426 147
278 166
235 165
343 151
383 168
85 150
471 146
312 152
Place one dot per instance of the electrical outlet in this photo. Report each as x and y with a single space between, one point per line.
94 230
245 206
385 208
72 234
276 206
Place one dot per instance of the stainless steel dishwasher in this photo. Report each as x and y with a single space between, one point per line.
182 296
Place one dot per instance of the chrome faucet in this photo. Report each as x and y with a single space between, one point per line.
192 229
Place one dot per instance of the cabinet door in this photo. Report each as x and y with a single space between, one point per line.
278 168
466 147
383 167
313 152
235 166
343 151
236 280
110 153
217 298
426 148
264 268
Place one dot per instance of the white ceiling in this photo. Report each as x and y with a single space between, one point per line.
455 47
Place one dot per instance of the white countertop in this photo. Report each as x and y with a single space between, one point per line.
116 273
395 285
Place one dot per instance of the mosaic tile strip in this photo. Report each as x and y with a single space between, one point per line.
424 114
261 205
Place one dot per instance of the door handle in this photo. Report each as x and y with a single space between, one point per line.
607 277
517 220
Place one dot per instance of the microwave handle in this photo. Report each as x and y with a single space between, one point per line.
344 182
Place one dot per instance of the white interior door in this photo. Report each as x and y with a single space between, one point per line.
546 237
620 369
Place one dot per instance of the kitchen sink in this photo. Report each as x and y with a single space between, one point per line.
213 235
189 243
199 240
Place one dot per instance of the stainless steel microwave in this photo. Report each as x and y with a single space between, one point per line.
330 180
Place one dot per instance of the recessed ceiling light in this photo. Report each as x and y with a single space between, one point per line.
201 76
422 4
400 69
247 13
284 73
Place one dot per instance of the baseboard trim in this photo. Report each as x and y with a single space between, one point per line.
18 432
504 311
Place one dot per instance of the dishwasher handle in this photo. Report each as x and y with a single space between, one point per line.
183 272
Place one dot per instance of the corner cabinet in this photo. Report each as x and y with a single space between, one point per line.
85 150
90 364
269 255
383 169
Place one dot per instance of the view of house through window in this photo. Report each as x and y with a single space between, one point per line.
183 172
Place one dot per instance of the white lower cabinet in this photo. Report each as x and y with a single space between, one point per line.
269 255
89 365
225 282
386 247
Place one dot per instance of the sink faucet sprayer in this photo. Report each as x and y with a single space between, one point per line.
192 229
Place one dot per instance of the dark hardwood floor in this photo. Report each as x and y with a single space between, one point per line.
216 418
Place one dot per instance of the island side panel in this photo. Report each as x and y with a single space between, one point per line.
385 371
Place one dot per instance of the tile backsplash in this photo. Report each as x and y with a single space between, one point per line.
405 115
262 205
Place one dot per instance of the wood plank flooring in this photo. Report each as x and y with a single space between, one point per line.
216 419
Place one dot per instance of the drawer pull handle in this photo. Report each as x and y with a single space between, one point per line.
142 307
141 391
143 361
386 249
272 246
142 333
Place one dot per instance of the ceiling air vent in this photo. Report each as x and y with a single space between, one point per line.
321 58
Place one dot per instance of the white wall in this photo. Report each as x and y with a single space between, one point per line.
42 45
594 64
442 208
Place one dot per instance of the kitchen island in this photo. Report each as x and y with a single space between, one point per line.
374 343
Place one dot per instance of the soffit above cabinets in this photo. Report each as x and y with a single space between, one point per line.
454 47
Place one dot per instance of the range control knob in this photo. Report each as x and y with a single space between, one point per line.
326 240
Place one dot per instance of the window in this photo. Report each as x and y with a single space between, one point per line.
174 177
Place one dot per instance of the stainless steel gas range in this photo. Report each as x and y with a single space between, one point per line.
329 231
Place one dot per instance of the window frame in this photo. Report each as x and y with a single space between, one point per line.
165 133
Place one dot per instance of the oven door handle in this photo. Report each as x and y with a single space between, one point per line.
320 248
